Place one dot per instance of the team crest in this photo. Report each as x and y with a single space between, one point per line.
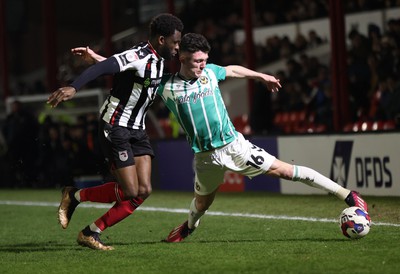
131 56
123 155
203 80
106 133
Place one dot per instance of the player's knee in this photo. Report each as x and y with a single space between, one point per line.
130 193
282 170
202 205
145 191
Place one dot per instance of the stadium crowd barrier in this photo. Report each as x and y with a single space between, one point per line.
366 162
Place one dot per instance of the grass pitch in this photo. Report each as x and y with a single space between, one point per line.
242 233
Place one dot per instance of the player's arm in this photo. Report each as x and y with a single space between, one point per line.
236 71
108 66
87 55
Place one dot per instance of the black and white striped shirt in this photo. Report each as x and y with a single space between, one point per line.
134 87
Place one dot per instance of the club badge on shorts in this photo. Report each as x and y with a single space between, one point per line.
123 155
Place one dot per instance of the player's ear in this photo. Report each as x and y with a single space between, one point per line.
161 40
181 58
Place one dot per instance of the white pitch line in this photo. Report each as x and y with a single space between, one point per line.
181 210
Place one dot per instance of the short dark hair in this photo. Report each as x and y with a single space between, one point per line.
165 24
192 42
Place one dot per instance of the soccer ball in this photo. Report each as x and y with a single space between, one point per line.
354 222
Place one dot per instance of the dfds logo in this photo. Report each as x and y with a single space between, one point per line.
373 170
341 162
370 171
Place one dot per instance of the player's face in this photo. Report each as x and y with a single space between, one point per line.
194 63
169 45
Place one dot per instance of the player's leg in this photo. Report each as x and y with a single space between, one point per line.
251 160
90 235
72 197
105 193
307 176
124 170
143 168
197 209
315 179
137 178
144 154
123 209
208 177
138 175
127 179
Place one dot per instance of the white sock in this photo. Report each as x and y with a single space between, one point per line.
315 179
194 215
77 195
93 227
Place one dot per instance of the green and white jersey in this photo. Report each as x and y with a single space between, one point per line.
199 108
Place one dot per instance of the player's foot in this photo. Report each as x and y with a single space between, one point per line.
179 233
354 199
67 206
92 240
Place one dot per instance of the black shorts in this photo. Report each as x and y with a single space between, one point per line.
120 144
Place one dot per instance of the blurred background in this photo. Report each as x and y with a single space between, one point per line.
338 62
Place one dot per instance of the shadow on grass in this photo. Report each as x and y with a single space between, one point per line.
162 241
319 240
37 247
239 241
51 247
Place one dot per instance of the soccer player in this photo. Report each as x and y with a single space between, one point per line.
124 141
193 95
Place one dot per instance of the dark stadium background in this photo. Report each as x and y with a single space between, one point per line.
36 36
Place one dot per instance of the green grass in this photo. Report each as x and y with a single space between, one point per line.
31 240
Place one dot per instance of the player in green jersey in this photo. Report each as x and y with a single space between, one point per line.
194 96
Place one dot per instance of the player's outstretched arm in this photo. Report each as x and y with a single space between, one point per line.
108 66
87 54
237 71
60 95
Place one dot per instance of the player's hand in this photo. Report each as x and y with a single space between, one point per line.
272 83
87 55
60 95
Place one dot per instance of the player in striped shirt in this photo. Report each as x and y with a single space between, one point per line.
123 139
193 95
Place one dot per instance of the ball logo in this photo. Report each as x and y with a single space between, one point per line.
123 155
